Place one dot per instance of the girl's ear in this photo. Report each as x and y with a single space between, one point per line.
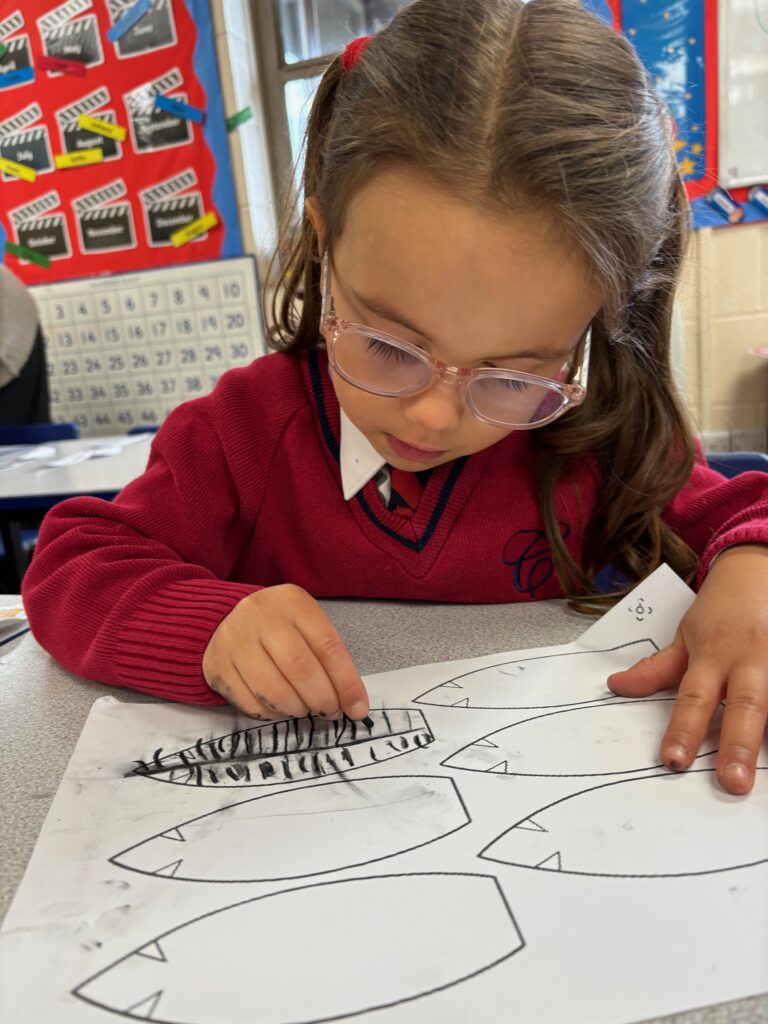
316 219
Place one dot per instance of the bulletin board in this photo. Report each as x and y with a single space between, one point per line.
171 168
124 350
685 50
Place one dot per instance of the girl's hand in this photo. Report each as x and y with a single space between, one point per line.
720 650
278 655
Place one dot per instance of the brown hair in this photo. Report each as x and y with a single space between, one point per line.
512 106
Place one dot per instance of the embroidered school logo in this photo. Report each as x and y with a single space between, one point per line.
530 557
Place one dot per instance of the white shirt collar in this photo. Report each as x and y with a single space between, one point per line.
359 460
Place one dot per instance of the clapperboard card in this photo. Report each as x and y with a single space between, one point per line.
166 211
25 141
103 223
66 35
41 229
74 138
155 31
151 128
18 54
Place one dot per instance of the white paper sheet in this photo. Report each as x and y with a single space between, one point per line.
500 843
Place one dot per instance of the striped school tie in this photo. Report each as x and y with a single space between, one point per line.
406 491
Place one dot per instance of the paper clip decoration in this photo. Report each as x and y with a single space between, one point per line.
84 158
235 120
17 170
99 127
64 67
18 77
179 109
22 253
131 17
193 230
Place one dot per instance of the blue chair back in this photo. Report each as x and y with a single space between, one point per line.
37 433
730 464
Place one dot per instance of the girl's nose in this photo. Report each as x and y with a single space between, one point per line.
437 410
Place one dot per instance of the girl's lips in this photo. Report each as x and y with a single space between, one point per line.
408 451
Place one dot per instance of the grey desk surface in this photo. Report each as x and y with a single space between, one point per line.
43 709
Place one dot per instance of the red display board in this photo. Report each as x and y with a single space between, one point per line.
170 170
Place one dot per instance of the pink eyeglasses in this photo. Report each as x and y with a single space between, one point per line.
391 368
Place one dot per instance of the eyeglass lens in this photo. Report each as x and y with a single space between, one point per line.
386 369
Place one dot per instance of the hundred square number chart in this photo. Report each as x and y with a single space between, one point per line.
123 350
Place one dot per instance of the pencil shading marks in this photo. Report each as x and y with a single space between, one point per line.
398 937
546 681
293 750
305 831
599 739
658 826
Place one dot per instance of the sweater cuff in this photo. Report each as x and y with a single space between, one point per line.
748 533
160 651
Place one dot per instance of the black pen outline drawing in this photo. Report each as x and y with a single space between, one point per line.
290 750
463 703
506 765
531 823
174 834
153 950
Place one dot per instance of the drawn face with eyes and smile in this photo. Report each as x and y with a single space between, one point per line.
471 287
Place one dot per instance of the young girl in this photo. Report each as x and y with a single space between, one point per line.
473 402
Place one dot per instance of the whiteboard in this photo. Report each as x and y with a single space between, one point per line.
743 89
123 350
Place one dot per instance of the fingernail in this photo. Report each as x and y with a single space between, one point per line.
358 710
736 773
676 756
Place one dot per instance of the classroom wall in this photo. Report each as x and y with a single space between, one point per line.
724 298
724 294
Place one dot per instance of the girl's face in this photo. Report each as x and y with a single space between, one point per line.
471 287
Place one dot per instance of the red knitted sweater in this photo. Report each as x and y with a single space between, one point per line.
243 491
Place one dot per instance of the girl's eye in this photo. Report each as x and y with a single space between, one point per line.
383 350
507 383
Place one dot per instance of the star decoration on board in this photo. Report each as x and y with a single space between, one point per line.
697 148
687 167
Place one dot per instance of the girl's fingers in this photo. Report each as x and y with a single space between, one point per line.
302 671
268 686
234 689
700 693
338 667
742 730
660 671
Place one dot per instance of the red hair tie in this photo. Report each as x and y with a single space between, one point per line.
353 51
